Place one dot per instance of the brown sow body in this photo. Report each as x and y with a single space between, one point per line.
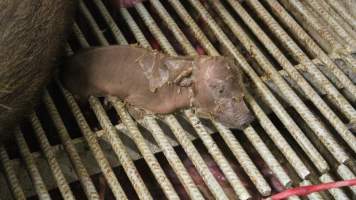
153 82
32 33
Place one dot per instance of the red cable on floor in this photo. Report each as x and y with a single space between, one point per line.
305 190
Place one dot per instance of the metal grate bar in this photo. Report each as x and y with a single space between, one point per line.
134 28
119 37
221 161
51 158
120 150
278 139
188 48
298 31
312 196
198 161
342 11
337 193
173 158
14 183
147 154
347 174
328 22
282 175
31 166
256 177
267 95
337 123
312 23
144 149
309 78
75 159
266 154
112 136
92 23
328 14
198 33
245 161
95 147
309 43
140 36
325 74
203 170
292 97
300 34
93 143
154 29
339 100
350 61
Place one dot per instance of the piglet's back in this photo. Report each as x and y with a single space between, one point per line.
103 71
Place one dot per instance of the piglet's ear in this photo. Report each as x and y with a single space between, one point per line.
184 79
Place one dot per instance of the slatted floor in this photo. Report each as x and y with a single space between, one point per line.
300 64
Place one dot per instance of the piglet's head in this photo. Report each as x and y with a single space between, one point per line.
219 90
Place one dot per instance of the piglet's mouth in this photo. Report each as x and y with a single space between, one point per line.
237 122
247 121
235 115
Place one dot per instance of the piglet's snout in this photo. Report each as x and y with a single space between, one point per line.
234 114
247 120
245 116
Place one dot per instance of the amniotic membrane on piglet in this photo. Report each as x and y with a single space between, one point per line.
153 82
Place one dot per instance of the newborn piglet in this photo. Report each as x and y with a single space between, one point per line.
150 82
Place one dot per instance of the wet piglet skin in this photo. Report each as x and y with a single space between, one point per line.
153 82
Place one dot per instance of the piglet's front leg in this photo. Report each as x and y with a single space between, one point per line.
136 113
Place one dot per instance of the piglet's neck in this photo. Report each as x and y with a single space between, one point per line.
178 66
181 76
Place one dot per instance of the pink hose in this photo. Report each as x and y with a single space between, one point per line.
305 190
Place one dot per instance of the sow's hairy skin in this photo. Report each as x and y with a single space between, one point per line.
31 35
152 82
